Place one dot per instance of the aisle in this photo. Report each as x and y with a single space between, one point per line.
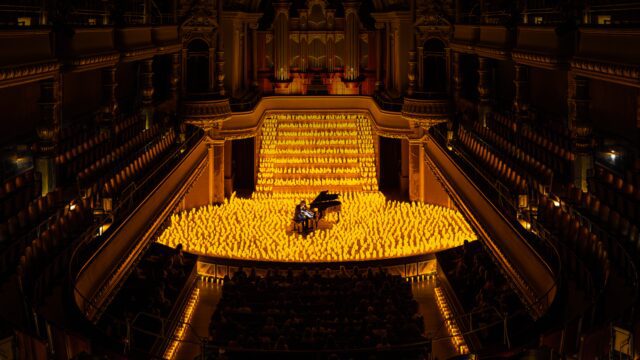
209 296
424 294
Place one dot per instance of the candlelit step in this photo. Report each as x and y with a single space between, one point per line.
327 151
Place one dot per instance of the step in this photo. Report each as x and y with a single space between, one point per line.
317 176
317 189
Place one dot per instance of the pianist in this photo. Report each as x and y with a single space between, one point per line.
303 215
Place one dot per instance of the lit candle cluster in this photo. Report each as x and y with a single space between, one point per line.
370 227
324 151
452 328
181 328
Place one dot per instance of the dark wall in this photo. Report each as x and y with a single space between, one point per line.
20 112
613 109
469 73
127 78
549 91
81 94
242 154
503 79
390 151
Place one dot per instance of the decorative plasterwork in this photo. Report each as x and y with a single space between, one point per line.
206 114
625 74
25 73
492 53
201 15
168 49
139 54
426 113
94 61
536 59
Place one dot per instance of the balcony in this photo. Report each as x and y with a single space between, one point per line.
595 57
426 109
542 47
205 110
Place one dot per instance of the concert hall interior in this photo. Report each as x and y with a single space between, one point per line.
322 179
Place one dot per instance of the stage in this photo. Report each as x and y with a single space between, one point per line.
370 227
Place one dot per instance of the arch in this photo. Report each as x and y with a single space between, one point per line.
198 66
435 67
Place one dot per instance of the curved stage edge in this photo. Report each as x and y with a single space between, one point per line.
413 266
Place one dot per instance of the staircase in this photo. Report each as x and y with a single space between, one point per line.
308 153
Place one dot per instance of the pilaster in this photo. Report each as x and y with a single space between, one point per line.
581 129
110 107
48 131
174 80
379 35
521 96
215 156
416 169
457 77
147 91
485 88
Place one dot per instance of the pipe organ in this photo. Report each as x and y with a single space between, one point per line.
314 50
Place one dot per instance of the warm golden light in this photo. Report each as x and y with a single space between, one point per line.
181 329
317 151
452 328
370 227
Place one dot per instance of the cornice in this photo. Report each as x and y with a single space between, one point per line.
622 73
140 53
393 16
492 52
24 73
92 61
537 59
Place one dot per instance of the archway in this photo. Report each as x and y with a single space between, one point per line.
198 66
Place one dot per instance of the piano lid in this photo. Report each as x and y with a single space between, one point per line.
325 200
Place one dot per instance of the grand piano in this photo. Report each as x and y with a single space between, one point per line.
323 204
326 203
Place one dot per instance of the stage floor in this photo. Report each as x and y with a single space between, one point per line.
370 227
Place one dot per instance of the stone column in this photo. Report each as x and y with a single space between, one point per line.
420 68
484 89
404 166
183 72
174 79
411 73
215 152
388 80
245 56
447 55
397 57
109 102
457 77
416 169
48 131
521 96
147 91
228 168
637 149
220 68
581 129
351 40
236 58
379 82
254 53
